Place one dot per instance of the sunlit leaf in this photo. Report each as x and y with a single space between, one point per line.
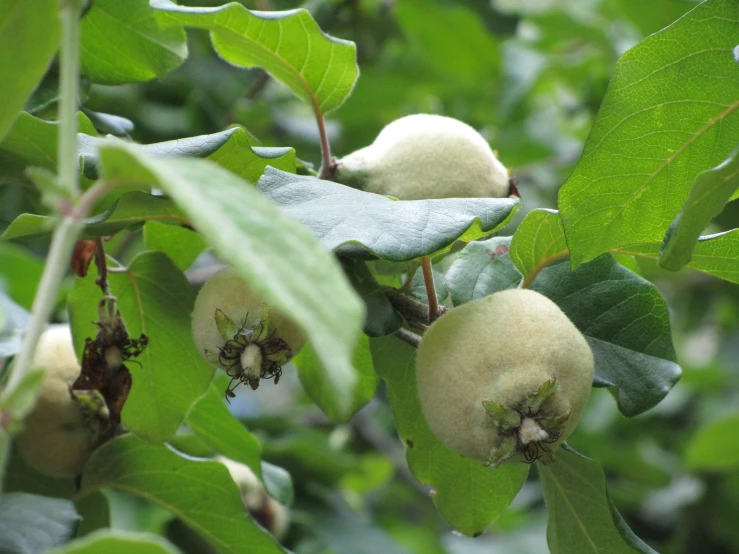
317 67
29 38
128 32
670 112
710 192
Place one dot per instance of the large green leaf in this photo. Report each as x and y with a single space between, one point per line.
468 494
199 492
31 523
581 516
29 37
670 112
210 419
309 371
116 541
482 268
361 224
538 241
626 323
317 67
122 42
279 258
717 255
230 149
714 448
154 298
710 192
130 210
33 141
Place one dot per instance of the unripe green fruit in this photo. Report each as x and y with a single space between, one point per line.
267 511
62 429
426 156
236 331
504 378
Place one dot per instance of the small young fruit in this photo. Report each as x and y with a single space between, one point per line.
63 428
264 509
504 378
426 156
236 331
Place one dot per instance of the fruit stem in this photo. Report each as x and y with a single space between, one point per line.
428 280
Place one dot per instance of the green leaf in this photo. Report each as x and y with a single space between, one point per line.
360 224
482 268
210 419
31 523
670 112
249 162
198 147
33 141
278 258
538 241
154 298
468 495
309 369
95 513
199 492
29 38
711 190
317 67
122 42
382 319
23 397
230 149
130 210
182 245
580 517
626 323
20 273
714 447
116 541
717 255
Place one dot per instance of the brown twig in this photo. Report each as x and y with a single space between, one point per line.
100 262
411 338
428 280
412 310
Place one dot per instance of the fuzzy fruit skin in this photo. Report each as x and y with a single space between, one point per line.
426 156
502 349
272 515
59 433
227 291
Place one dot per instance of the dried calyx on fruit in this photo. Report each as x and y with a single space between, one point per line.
64 427
504 378
236 331
426 156
264 509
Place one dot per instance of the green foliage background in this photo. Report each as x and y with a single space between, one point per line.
531 76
